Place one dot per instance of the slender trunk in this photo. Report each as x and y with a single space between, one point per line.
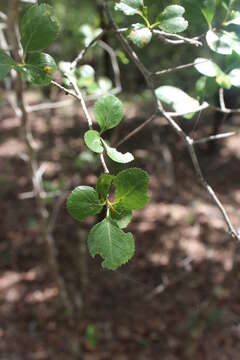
13 10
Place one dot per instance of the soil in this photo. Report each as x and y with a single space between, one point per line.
178 298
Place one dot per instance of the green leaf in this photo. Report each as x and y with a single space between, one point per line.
234 18
39 28
206 87
219 42
177 99
6 64
223 81
171 19
111 243
103 185
121 215
130 7
131 188
140 35
108 111
93 141
105 84
207 67
39 68
83 202
117 156
234 77
208 10
234 41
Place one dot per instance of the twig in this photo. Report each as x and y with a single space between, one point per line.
177 68
83 52
215 137
135 131
187 140
203 106
221 100
177 39
77 94
115 65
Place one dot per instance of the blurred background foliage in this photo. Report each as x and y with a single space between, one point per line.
79 19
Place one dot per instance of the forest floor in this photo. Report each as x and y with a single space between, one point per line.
178 298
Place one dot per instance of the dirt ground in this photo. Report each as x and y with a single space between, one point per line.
178 298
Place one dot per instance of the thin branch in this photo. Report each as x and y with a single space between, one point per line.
36 172
177 68
81 99
215 137
221 100
139 128
115 65
83 51
203 106
177 39
187 140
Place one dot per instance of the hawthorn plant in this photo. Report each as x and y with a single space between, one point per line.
119 195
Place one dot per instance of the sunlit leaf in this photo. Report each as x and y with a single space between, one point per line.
177 99
117 156
140 35
234 77
219 42
130 7
171 19
207 67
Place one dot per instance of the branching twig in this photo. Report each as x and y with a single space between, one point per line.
176 38
187 140
215 137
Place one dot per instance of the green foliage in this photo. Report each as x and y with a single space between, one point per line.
206 87
130 7
207 67
83 202
93 141
117 156
140 35
111 243
91 336
6 64
219 42
39 28
171 19
103 185
120 194
106 238
108 112
131 188
39 68
234 77
177 99
121 215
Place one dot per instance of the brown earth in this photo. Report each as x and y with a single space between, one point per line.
178 298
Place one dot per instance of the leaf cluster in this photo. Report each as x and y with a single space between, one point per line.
38 29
